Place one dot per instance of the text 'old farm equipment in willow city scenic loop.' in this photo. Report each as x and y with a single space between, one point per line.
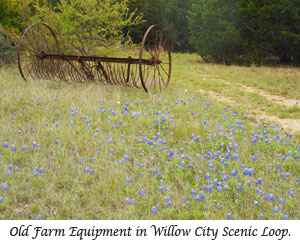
40 57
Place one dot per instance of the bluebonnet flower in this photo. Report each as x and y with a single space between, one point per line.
259 181
285 217
183 197
1 199
207 176
167 199
13 148
154 210
235 156
229 217
278 166
24 148
128 180
193 192
276 209
4 186
142 193
239 187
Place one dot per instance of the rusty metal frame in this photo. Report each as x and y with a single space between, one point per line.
40 58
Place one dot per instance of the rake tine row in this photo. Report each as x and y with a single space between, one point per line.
40 57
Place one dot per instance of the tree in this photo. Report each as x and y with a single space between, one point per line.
9 18
243 31
171 15
82 25
85 25
177 17
271 29
214 30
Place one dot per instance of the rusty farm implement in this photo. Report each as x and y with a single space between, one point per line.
40 57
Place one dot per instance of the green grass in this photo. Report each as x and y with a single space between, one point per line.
275 80
192 72
113 149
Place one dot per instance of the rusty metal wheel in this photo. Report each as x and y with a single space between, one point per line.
155 47
36 40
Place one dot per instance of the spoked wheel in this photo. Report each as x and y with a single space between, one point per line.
156 75
36 40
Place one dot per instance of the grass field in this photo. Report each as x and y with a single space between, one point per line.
210 147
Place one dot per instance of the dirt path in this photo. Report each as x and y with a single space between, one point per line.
291 125
270 97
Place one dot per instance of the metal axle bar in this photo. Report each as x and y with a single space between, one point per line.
128 60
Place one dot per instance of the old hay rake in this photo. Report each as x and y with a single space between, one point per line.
40 57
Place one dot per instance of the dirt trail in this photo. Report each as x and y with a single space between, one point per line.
273 98
291 125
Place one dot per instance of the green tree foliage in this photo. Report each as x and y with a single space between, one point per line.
271 29
171 15
214 30
152 12
177 17
9 18
82 25
226 31
10 15
244 31
85 25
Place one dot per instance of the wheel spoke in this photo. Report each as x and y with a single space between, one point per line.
164 70
154 42
150 53
35 39
161 76
38 37
148 74
161 48
29 43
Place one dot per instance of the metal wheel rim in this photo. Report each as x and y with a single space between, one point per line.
21 45
142 49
